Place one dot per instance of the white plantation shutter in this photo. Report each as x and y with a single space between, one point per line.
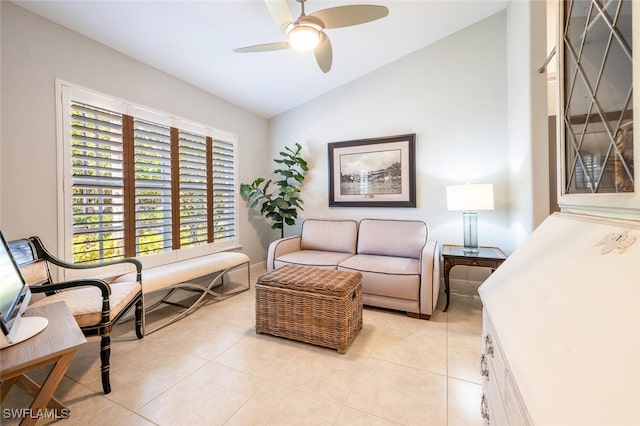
224 199
152 147
193 189
97 183
138 182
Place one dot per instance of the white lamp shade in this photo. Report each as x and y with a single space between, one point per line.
471 197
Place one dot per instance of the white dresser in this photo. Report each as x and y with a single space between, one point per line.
561 336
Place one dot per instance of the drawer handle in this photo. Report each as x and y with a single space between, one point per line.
488 343
484 368
484 408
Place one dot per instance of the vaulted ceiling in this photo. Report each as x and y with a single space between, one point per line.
194 41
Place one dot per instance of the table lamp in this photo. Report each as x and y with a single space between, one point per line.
470 198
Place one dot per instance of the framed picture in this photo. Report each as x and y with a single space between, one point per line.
378 172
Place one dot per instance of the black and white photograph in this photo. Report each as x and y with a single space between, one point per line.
373 172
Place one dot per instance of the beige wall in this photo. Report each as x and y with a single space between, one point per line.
34 53
452 94
528 157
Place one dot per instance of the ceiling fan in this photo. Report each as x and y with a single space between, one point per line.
307 32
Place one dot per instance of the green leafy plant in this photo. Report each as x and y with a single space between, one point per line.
280 204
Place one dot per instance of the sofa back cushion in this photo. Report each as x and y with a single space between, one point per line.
400 238
329 235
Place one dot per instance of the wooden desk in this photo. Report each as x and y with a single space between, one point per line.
488 257
57 344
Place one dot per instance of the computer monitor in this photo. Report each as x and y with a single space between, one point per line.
14 299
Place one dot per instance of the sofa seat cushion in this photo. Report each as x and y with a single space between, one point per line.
315 258
386 275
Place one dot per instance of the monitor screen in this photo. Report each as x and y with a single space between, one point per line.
12 287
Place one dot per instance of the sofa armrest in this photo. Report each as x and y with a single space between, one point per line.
281 247
429 277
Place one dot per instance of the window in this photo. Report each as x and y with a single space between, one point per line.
142 183
152 194
97 182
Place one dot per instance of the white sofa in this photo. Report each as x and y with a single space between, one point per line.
399 264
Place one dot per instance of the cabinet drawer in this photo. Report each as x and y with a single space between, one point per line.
493 357
487 263
515 410
493 411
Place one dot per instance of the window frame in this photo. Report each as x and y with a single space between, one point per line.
66 91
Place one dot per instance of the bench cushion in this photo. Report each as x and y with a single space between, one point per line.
159 277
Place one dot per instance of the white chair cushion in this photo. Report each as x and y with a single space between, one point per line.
85 303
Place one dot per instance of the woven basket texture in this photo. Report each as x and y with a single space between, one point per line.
318 306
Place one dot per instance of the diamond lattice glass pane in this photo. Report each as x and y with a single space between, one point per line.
594 48
578 13
623 20
598 97
616 82
579 100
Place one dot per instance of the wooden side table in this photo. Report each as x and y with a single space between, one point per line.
57 344
488 257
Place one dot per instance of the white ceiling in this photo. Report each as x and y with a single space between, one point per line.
194 41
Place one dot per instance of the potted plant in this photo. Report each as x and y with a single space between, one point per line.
281 203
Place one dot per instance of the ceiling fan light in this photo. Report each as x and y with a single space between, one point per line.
304 38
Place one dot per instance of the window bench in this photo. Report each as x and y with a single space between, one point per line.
177 275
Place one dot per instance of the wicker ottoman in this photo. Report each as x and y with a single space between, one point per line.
312 305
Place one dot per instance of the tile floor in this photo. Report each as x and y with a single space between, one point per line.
211 368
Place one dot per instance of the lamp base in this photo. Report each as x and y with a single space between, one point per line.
470 224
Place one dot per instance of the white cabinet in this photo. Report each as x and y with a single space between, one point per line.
561 332
500 403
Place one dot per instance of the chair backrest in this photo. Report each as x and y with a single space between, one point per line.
329 235
34 268
401 238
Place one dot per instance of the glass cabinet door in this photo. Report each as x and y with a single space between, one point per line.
597 106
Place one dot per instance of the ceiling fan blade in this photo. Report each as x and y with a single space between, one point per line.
324 54
263 47
346 16
280 13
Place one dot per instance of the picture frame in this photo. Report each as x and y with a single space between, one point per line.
378 172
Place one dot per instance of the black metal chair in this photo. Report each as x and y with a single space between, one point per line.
95 304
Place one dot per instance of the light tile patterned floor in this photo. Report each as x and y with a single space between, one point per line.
212 369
